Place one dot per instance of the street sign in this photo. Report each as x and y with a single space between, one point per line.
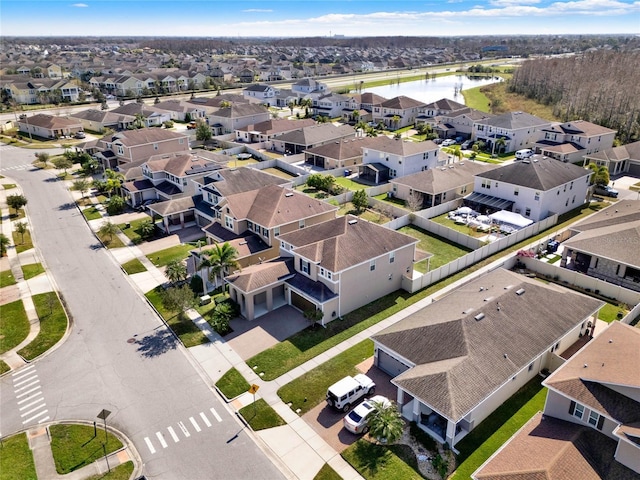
254 388
104 414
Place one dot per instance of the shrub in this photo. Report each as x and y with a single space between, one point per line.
221 316
115 205
168 124
196 284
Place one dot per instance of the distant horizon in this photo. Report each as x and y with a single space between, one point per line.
317 18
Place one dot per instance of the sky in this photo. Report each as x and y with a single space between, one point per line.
305 18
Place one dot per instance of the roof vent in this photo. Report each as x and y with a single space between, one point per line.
585 365
505 356
468 310
288 194
520 291
508 287
460 163
479 317
488 299
352 222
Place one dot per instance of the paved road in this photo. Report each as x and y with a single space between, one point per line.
118 357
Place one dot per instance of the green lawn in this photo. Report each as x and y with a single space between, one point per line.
442 249
232 383
163 257
16 459
4 368
111 241
133 266
14 325
609 312
260 415
378 462
498 427
8 186
75 446
349 184
32 270
367 214
121 472
22 242
133 232
327 473
6 278
91 213
278 172
187 331
53 325
308 390
13 215
395 201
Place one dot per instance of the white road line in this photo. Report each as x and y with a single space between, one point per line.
161 440
23 372
34 417
215 414
43 419
33 410
195 425
17 384
28 392
205 419
31 397
29 404
27 386
173 434
150 445
184 429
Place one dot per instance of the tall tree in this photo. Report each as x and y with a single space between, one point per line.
385 423
176 271
16 201
113 181
222 258
360 200
203 132
178 299
62 162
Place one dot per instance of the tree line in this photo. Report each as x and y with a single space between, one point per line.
601 87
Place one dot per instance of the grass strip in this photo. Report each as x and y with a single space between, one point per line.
259 415
76 446
14 325
121 472
232 384
6 279
133 266
22 242
91 213
32 270
162 257
4 368
327 473
379 462
308 390
53 325
16 459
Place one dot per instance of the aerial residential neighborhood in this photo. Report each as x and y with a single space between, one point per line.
248 261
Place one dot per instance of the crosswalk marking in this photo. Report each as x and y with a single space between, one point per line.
195 424
30 404
173 434
29 398
42 420
28 392
17 384
22 372
27 386
150 445
34 417
161 440
184 429
29 412
215 414
205 419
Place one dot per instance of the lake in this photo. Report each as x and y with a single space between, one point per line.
431 90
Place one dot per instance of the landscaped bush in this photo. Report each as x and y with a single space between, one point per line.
196 284
222 314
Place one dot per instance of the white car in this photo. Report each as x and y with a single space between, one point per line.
356 421
448 142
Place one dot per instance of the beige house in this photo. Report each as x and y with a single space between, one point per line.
623 159
458 359
590 425
265 131
101 120
229 119
397 112
322 267
297 141
49 126
338 154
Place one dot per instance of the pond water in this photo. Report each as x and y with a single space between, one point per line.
431 90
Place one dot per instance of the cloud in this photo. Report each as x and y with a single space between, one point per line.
80 5
257 10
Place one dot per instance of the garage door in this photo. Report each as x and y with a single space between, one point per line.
301 303
634 169
390 365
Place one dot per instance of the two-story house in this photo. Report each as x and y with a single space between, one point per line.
459 358
618 160
397 112
306 86
534 188
238 115
590 425
571 141
384 158
264 94
518 130
321 267
329 105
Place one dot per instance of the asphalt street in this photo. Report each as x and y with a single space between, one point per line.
119 356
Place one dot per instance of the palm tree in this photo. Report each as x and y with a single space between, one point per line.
395 120
385 423
81 185
139 120
457 152
500 143
176 271
222 259
355 116
108 229
114 180
21 228
4 243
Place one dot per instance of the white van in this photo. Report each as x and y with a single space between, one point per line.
524 153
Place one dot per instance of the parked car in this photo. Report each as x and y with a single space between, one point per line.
448 142
524 153
605 190
356 421
344 393
80 135
437 141
466 145
192 126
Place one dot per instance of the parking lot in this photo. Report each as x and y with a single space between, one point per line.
327 422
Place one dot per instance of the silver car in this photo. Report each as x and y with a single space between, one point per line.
356 421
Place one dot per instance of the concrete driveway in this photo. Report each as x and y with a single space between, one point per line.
327 422
252 337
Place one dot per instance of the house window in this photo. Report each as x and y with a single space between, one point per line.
265 232
120 150
276 231
571 186
536 197
574 199
304 266
530 367
486 183
392 257
576 410
596 420
372 265
516 192
181 141
527 212
249 225
228 222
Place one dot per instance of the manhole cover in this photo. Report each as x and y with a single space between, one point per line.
131 340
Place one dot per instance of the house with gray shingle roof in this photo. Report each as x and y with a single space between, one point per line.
338 154
571 141
590 427
459 358
518 130
619 160
265 131
607 245
322 266
101 120
238 115
261 93
534 188
297 141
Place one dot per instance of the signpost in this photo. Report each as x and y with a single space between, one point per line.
103 416
252 390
